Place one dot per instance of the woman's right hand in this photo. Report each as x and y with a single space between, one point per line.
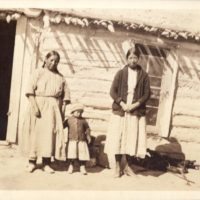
36 111
124 106
34 106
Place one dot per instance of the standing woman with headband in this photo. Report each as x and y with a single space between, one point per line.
48 95
126 134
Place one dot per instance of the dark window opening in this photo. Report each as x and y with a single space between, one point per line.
7 38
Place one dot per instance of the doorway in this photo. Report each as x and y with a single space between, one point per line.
7 40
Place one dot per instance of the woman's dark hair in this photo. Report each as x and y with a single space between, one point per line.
132 51
51 53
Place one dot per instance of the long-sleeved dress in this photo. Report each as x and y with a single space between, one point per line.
43 136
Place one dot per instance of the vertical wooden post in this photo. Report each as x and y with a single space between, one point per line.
167 93
30 63
15 92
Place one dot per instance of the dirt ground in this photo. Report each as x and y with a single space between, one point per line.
14 177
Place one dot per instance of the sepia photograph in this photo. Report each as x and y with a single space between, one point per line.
100 98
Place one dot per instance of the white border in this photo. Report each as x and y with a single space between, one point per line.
135 4
142 4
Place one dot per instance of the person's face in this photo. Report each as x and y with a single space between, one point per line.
132 60
51 62
77 113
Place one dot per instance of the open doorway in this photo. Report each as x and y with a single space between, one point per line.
7 40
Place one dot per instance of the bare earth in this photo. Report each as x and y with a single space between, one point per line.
14 177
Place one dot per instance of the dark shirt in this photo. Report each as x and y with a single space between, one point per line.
119 91
78 128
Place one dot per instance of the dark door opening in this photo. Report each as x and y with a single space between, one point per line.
7 39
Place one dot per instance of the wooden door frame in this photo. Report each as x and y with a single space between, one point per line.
166 116
16 80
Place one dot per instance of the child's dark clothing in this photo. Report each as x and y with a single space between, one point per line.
78 135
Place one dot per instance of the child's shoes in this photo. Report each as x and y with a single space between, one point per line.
83 170
70 169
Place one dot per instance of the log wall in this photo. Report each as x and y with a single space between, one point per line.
186 111
89 60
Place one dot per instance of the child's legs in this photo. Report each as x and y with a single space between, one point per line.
82 167
46 161
82 163
71 161
32 160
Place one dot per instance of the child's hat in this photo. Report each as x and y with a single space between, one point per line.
77 106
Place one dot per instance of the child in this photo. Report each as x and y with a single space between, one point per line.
78 137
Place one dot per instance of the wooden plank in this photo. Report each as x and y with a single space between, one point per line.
186 121
30 57
186 134
89 85
96 114
102 104
188 88
18 61
187 106
167 93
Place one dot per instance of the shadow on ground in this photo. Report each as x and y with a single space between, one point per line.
157 162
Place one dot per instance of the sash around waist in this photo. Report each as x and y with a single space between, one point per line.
48 96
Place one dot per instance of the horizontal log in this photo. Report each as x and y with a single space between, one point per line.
85 54
96 103
187 106
193 112
88 85
96 114
186 121
93 74
186 134
185 93
188 88
90 94
80 42
98 125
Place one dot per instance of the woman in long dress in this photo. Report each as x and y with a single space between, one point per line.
48 95
126 134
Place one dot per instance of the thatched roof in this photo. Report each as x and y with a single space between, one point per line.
183 25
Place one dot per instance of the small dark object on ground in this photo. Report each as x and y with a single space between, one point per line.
157 161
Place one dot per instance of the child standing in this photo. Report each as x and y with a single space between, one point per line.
78 139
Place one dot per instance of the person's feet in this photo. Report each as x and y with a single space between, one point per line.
83 170
48 169
116 174
128 171
30 167
70 169
117 171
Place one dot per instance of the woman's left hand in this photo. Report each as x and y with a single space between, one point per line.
133 106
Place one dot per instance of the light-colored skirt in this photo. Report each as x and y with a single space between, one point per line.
42 137
126 135
77 150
